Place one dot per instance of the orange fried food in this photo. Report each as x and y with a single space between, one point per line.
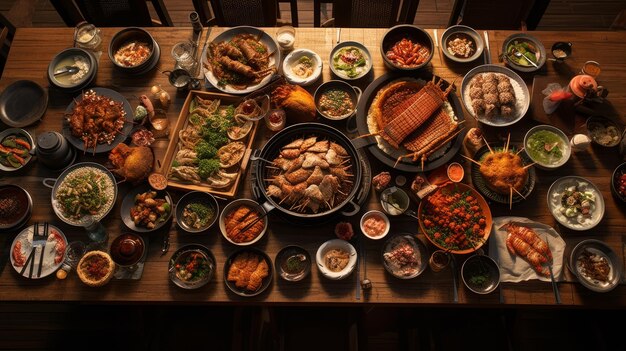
248 271
524 242
297 102
503 171
238 219
134 164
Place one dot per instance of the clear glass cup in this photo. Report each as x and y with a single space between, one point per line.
439 260
591 68
95 230
183 54
87 36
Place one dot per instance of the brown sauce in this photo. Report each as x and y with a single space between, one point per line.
127 249
461 45
13 205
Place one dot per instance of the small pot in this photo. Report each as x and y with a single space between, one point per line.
53 150
353 92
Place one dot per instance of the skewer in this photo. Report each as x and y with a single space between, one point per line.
367 135
472 160
486 143
529 165
508 140
520 150
518 193
510 198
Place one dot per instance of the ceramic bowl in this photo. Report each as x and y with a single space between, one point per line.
592 249
523 39
382 225
354 93
575 220
78 57
293 59
534 141
127 36
405 31
22 206
335 55
11 161
200 197
462 33
341 246
603 131
480 274
235 279
233 206
402 268
293 263
618 173
191 280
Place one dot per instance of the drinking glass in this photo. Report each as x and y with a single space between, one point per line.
87 36
183 54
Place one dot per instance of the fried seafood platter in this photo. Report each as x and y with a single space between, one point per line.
455 218
97 120
210 145
241 60
412 124
311 174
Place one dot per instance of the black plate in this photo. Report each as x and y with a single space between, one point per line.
479 182
406 164
100 148
23 103
129 202
266 281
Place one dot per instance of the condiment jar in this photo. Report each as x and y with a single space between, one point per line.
276 120
286 37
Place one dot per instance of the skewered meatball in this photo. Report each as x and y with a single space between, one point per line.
479 106
506 98
476 92
506 110
491 98
490 110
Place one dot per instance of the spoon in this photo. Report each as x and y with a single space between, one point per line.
519 54
66 69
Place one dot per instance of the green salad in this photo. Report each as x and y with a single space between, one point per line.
350 62
528 50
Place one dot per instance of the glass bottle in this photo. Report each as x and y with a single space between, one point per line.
95 230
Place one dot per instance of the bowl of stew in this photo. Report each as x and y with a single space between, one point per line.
406 48
336 100
133 50
461 43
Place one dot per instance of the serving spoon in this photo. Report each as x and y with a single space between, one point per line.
66 69
519 54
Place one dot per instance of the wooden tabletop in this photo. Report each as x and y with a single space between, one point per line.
33 48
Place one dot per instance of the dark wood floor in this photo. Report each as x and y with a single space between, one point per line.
44 326
560 15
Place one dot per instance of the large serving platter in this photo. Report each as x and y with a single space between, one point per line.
173 147
389 156
100 148
226 36
519 86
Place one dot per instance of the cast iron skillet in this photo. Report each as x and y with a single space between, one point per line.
272 148
23 103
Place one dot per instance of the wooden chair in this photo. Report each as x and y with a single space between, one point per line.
231 13
6 37
366 13
497 14
113 13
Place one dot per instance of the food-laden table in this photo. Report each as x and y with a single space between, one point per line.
33 48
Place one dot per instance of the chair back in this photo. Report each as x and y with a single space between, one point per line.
113 13
367 13
7 31
231 13
497 14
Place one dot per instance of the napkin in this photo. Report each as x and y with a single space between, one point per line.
514 268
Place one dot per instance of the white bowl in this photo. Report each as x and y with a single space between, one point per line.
232 207
293 58
563 145
339 73
554 202
375 213
336 244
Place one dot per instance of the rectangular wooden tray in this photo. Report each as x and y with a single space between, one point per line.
172 148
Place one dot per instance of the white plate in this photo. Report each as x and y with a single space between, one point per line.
292 58
229 34
554 202
51 260
519 86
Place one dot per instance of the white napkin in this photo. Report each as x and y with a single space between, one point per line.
514 268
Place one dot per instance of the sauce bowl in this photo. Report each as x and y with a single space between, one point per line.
354 94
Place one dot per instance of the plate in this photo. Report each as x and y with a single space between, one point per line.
479 182
227 35
421 253
25 135
292 58
129 202
578 222
54 253
523 37
519 86
431 230
266 282
603 251
100 148
23 103
390 156
462 30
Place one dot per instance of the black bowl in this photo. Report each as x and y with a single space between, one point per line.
353 92
126 36
129 202
23 103
284 255
480 274
617 173
21 202
69 57
199 197
181 254
265 282
408 31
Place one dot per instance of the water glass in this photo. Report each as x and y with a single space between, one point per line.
95 230
87 36
286 37
183 54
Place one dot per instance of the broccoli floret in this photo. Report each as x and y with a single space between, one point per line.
207 167
204 150
213 137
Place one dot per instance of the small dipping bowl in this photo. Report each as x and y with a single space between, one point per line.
291 62
604 131
127 249
561 50
333 87
341 245
480 274
17 206
375 225
455 172
394 201
293 263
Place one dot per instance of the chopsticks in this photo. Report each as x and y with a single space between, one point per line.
31 255
555 288
249 225
43 248
487 51
437 45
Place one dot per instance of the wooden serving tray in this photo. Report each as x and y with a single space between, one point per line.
173 148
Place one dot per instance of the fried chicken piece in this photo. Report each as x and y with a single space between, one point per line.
256 277
134 164
299 175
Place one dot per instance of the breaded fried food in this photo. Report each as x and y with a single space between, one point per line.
503 170
247 271
256 278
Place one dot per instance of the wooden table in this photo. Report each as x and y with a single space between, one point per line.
33 48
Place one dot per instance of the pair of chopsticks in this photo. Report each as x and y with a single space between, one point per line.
487 53
249 225
555 288
31 256
437 45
